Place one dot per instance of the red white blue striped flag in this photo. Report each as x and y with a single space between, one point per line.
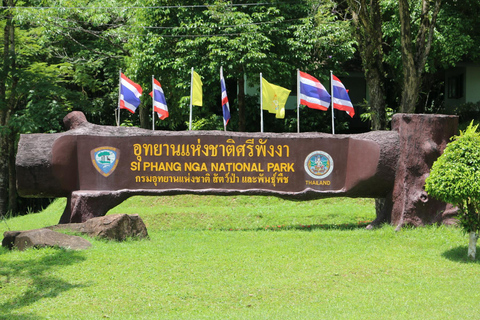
341 100
130 93
159 102
312 93
225 104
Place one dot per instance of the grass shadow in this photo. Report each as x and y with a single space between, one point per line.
301 227
41 284
459 254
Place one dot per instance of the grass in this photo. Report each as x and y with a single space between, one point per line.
244 258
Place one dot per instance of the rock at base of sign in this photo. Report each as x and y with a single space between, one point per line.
41 238
113 227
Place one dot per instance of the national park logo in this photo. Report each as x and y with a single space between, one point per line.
318 164
105 159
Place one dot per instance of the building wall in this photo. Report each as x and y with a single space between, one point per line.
462 85
472 84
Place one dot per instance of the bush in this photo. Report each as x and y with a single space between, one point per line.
455 178
467 112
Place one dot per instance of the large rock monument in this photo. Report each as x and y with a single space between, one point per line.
98 167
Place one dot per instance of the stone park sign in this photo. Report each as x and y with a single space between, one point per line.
98 167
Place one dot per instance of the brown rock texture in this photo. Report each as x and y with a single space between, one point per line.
113 227
40 238
422 139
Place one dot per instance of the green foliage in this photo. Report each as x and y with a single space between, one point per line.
455 177
456 39
67 58
452 45
90 42
213 122
272 38
467 112
367 116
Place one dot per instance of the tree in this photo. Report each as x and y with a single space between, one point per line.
204 37
270 37
367 21
88 38
8 86
415 51
455 178
53 61
378 24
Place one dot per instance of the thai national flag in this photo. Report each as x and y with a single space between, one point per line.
159 102
313 93
341 100
225 104
130 93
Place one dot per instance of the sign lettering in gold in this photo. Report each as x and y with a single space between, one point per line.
215 162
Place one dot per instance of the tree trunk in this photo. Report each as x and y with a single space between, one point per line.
408 99
144 117
377 103
368 31
12 185
472 245
415 53
367 19
6 105
3 175
411 88
241 102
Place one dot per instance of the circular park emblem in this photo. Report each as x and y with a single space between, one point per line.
105 159
318 164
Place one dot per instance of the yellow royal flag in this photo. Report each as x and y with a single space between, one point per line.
274 98
197 96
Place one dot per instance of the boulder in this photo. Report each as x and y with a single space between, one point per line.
40 238
113 227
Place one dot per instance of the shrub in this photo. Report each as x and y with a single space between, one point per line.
455 178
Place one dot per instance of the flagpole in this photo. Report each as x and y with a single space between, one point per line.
153 103
191 97
331 104
298 101
261 104
117 117
221 100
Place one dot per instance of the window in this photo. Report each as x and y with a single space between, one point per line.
455 87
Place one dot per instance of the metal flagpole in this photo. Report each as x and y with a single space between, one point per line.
331 103
153 103
117 117
261 104
221 97
298 101
191 97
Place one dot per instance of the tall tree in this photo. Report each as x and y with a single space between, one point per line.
53 61
8 85
367 21
415 49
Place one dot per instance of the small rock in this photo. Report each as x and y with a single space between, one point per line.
114 227
40 238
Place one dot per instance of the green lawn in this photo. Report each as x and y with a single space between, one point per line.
245 258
